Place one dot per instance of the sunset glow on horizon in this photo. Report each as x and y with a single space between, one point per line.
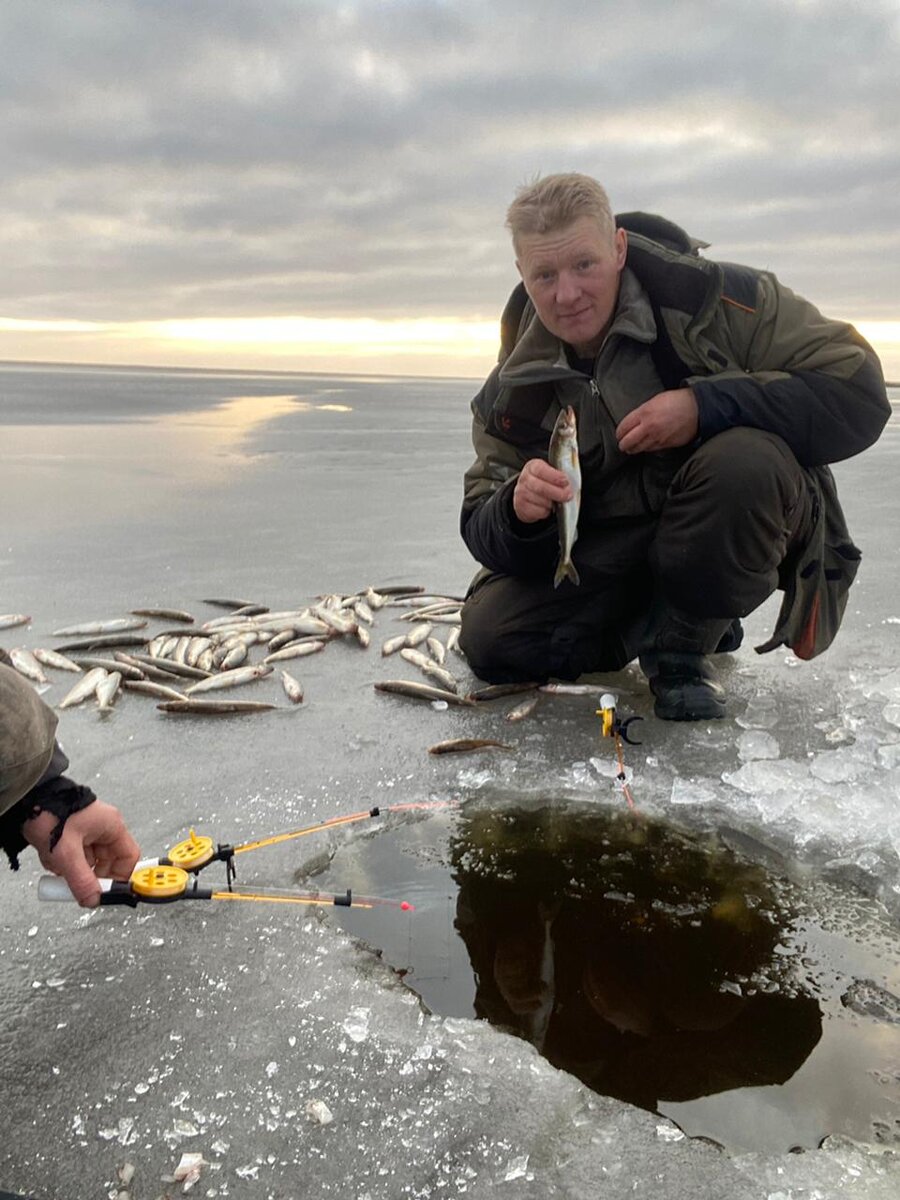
440 346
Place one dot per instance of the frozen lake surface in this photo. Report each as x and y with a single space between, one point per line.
133 1037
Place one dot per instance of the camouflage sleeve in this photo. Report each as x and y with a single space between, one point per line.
790 370
493 534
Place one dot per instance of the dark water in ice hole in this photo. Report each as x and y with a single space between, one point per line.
656 966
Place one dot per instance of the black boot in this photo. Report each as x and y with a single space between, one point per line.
684 686
681 675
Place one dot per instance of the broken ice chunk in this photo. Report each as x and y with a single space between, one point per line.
124 1133
516 1168
837 766
756 744
669 1133
188 1170
356 1024
318 1110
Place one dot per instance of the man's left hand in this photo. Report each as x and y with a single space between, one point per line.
666 420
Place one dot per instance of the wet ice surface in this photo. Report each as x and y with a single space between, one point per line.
232 1031
656 965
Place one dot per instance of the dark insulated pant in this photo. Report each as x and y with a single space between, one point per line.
736 513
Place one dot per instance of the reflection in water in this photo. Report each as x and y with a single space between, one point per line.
237 416
617 946
58 475
652 963
225 425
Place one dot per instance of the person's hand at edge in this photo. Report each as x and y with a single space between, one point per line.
94 843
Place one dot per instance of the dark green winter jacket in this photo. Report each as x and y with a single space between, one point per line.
753 352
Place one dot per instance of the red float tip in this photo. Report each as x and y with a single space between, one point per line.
406 906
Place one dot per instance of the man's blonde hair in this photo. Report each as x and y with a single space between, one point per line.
554 202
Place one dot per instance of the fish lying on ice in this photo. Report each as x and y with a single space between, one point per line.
126 670
421 691
467 745
107 690
229 679
170 666
86 686
292 688
100 640
148 687
437 650
301 650
419 634
26 664
430 667
52 658
163 614
120 625
214 707
229 603
525 709
10 620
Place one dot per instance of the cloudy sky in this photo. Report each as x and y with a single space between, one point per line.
318 184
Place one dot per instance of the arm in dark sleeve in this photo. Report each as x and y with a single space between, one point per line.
494 535
501 542
815 382
54 792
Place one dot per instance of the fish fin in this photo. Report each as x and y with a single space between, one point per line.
566 570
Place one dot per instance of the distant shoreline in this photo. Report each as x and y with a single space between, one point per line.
144 368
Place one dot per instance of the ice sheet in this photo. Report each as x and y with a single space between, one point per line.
134 1037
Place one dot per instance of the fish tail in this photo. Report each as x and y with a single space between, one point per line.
566 570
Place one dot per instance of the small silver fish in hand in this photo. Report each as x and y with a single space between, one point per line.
564 456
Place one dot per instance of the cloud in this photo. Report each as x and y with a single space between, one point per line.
252 158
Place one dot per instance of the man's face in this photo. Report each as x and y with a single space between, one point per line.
572 277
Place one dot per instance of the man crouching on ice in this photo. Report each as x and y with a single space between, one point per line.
709 399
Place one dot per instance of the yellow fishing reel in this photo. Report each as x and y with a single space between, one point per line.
610 723
159 883
192 853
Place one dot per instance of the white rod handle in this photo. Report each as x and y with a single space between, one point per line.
54 887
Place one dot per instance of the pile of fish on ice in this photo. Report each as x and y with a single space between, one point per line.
181 667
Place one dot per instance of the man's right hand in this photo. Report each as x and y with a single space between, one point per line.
537 489
94 842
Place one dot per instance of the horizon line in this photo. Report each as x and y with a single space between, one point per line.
106 366
101 366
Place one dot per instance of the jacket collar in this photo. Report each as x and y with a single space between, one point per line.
539 354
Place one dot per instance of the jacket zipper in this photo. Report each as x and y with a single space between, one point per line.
645 499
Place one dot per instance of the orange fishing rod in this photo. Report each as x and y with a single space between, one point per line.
164 885
196 852
175 874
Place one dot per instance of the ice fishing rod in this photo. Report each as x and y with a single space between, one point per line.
612 726
163 885
195 852
174 875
